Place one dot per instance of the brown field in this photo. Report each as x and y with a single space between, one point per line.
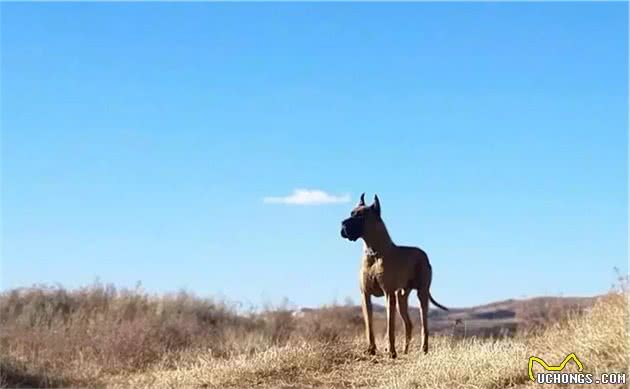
102 337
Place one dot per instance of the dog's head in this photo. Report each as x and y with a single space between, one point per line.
362 215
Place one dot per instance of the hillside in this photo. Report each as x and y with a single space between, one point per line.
103 337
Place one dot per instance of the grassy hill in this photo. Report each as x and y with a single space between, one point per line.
103 337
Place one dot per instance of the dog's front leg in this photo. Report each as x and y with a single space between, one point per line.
391 323
366 304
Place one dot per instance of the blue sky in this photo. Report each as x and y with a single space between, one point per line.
139 142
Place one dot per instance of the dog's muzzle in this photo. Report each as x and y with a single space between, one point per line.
351 229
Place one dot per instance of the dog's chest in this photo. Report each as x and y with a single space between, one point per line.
372 264
371 274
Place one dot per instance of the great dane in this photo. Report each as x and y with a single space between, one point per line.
391 271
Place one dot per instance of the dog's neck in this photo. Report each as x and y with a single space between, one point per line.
377 240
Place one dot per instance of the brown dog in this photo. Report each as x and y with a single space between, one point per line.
389 270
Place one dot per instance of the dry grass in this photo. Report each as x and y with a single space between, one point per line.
599 338
53 337
99 336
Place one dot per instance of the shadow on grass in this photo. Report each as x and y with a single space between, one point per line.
16 375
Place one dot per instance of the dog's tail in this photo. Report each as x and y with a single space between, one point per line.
436 303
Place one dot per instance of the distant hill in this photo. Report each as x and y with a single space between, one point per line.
493 319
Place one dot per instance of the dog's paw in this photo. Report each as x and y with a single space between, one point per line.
371 350
392 354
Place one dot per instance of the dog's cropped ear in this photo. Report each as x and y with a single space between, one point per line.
377 205
361 200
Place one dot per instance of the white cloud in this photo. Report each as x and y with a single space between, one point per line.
308 197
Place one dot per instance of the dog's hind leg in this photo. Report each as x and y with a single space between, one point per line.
423 296
403 310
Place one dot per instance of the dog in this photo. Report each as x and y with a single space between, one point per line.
391 271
